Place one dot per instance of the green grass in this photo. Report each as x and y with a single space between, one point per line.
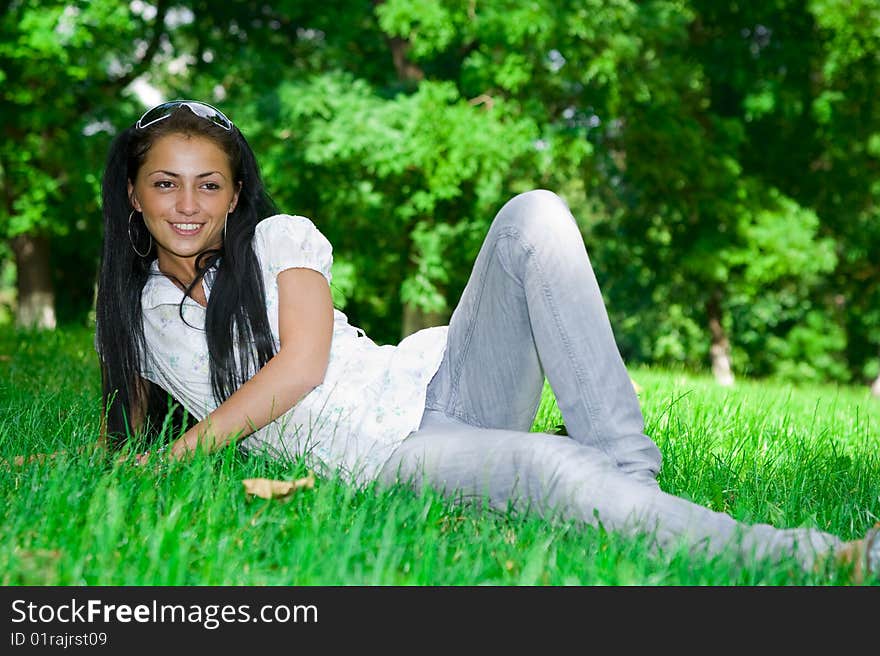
762 451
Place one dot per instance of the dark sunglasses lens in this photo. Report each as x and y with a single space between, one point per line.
157 114
201 110
212 114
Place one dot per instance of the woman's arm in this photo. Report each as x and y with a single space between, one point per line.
305 326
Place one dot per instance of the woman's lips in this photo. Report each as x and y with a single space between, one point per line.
186 229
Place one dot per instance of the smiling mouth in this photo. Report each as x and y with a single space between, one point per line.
186 228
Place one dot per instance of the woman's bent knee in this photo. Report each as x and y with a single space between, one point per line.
538 207
537 201
536 213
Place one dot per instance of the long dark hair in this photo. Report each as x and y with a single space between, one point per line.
237 329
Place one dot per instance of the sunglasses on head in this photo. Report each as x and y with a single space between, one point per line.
203 110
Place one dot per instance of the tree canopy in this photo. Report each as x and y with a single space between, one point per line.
721 157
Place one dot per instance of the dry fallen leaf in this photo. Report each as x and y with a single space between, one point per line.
271 489
35 567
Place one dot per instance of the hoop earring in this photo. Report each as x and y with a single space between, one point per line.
225 222
131 239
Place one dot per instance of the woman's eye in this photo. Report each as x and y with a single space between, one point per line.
213 186
163 184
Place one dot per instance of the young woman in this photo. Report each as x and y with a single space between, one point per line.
209 295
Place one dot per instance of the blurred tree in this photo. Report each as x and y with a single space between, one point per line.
62 68
622 104
844 185
800 79
722 248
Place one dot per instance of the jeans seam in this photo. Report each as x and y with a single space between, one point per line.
455 368
582 380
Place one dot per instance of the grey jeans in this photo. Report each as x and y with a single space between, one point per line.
532 308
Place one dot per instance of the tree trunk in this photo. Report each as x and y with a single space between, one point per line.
414 318
719 351
408 72
36 297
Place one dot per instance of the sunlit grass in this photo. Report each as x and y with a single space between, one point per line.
768 452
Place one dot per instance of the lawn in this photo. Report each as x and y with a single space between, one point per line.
763 451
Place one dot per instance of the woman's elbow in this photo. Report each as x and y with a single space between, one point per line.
313 382
316 375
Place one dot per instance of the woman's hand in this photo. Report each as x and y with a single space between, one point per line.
124 458
20 461
139 459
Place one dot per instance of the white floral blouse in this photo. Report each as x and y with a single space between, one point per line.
372 396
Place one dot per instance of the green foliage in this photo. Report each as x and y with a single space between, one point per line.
423 172
713 152
61 62
65 66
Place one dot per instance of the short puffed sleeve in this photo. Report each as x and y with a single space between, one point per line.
285 241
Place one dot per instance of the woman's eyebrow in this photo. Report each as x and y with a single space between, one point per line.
172 174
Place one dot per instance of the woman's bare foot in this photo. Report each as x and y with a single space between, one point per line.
863 556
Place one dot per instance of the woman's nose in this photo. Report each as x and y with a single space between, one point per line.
187 202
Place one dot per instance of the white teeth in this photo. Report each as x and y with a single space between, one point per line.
186 226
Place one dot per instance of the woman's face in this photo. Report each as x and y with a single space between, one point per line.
184 189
